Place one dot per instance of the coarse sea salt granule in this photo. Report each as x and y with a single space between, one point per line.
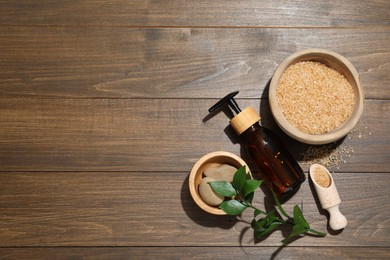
322 178
329 155
314 98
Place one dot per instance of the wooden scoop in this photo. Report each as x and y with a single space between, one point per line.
328 195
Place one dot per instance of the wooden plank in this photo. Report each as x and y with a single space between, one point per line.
173 63
103 106
156 209
196 13
197 252
151 135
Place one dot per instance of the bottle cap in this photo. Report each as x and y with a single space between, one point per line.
245 119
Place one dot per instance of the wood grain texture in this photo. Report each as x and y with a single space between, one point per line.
196 13
294 253
90 62
151 135
156 209
103 112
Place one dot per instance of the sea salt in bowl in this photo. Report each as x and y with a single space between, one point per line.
315 96
196 175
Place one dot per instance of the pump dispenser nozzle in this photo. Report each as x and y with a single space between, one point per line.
228 99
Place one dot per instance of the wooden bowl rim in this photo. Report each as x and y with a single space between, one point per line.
213 157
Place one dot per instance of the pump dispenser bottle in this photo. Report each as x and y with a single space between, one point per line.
281 171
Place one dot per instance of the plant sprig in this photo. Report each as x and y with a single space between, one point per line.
241 194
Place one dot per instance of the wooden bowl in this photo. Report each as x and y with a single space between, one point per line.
196 175
334 61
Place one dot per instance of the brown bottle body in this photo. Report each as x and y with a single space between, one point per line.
282 172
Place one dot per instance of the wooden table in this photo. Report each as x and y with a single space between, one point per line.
102 106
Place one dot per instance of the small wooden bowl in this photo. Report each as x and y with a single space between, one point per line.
332 60
196 175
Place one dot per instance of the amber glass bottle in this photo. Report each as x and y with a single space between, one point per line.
281 171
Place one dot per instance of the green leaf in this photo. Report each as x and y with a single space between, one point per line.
249 197
267 220
297 230
280 205
270 217
239 179
269 229
299 218
256 226
300 225
265 225
223 188
315 232
250 186
232 207
258 212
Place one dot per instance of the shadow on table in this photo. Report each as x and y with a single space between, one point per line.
201 217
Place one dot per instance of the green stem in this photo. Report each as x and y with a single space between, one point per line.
315 232
253 207
280 206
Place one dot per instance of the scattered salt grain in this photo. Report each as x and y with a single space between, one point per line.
329 155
